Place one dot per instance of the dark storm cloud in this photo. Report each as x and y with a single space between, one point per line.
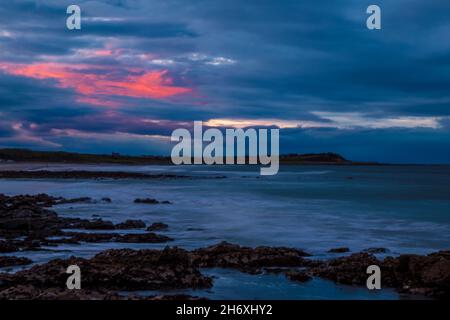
138 29
285 60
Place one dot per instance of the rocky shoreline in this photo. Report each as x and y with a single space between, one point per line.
27 224
83 174
94 175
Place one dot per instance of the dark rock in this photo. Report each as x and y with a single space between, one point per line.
80 174
143 238
42 200
347 270
107 200
30 292
131 224
250 260
123 269
25 216
276 270
428 275
195 229
158 226
376 250
76 200
96 224
176 297
9 261
299 276
146 201
27 224
339 250
149 237
6 246
150 201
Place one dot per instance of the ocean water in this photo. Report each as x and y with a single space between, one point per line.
403 208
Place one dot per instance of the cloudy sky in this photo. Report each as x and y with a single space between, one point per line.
139 69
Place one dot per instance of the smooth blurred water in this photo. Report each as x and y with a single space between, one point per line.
403 208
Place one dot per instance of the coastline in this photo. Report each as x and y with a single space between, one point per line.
109 227
110 272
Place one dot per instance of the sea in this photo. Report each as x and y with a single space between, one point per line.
405 209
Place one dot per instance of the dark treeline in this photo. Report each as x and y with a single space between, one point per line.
25 155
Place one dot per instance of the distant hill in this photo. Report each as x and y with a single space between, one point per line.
328 157
25 155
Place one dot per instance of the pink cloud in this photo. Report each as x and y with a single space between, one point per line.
103 53
95 83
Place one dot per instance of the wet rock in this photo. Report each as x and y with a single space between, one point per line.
250 260
76 200
123 269
108 200
349 270
6 247
150 201
158 226
8 261
376 250
131 224
42 200
146 201
80 174
19 245
428 275
195 229
96 224
339 250
149 237
176 297
298 276
30 292
25 216
276 270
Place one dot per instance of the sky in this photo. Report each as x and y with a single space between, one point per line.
138 69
